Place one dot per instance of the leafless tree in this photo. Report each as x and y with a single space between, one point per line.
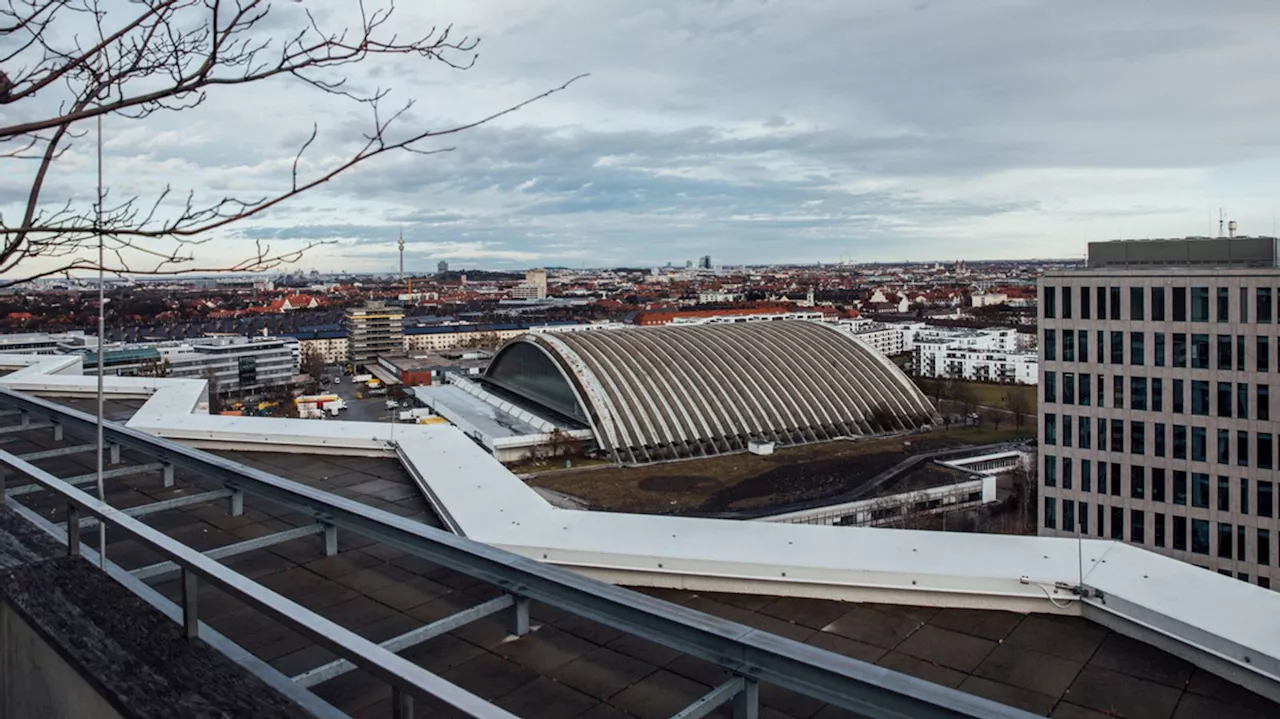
964 394
64 64
1019 407
314 365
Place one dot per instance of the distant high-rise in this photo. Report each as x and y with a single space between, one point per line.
373 330
534 286
704 262
442 266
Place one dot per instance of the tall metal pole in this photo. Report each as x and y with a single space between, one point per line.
102 324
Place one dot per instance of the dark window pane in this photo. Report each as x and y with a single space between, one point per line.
1157 395
1199 397
1050 345
1157 304
1180 533
1264 354
1200 351
1159 349
1264 450
1179 441
1157 484
1262 402
1224 494
1198 445
1137 526
1179 396
1200 490
1159 530
1137 482
1179 350
1199 304
1137 312
1200 536
1084 303
1050 512
1179 487
1117 523
1224 398
1224 540
1117 348
1137 437
1262 310
1049 299
1224 304
1115 303
1266 495
1224 352
1138 393
1137 348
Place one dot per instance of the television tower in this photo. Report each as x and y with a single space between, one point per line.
401 254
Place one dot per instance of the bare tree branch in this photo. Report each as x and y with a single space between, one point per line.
150 56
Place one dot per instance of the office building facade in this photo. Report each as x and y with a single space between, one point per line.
236 364
1157 424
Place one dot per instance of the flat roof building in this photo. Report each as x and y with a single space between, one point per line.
1158 424
373 330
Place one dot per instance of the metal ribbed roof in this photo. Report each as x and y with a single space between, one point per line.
657 393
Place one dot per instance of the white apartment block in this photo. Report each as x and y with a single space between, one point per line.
1157 424
334 349
985 355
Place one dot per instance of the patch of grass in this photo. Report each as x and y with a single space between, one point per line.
988 435
985 393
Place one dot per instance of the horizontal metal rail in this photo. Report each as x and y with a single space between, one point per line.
823 675
386 665
160 569
58 452
413 637
143 510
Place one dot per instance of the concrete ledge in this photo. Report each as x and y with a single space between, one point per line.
87 644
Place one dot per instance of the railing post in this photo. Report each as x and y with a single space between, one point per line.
25 418
190 613
401 704
168 474
518 616
746 704
235 503
73 530
330 539
57 431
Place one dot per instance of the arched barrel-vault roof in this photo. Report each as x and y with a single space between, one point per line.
653 393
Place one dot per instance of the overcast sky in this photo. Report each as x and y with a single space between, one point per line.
761 131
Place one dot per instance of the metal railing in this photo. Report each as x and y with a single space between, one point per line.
752 656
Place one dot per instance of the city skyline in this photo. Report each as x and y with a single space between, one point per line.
690 137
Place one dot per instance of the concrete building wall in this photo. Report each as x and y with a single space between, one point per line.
36 682
1196 469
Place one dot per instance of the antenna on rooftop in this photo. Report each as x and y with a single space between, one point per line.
1222 216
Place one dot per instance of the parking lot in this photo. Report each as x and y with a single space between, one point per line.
369 409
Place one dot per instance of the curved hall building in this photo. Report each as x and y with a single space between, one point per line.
657 393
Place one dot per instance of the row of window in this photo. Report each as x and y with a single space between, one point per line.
1175 349
1163 440
1158 304
1142 394
1177 487
1167 531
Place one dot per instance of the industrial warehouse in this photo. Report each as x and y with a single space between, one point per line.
658 393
